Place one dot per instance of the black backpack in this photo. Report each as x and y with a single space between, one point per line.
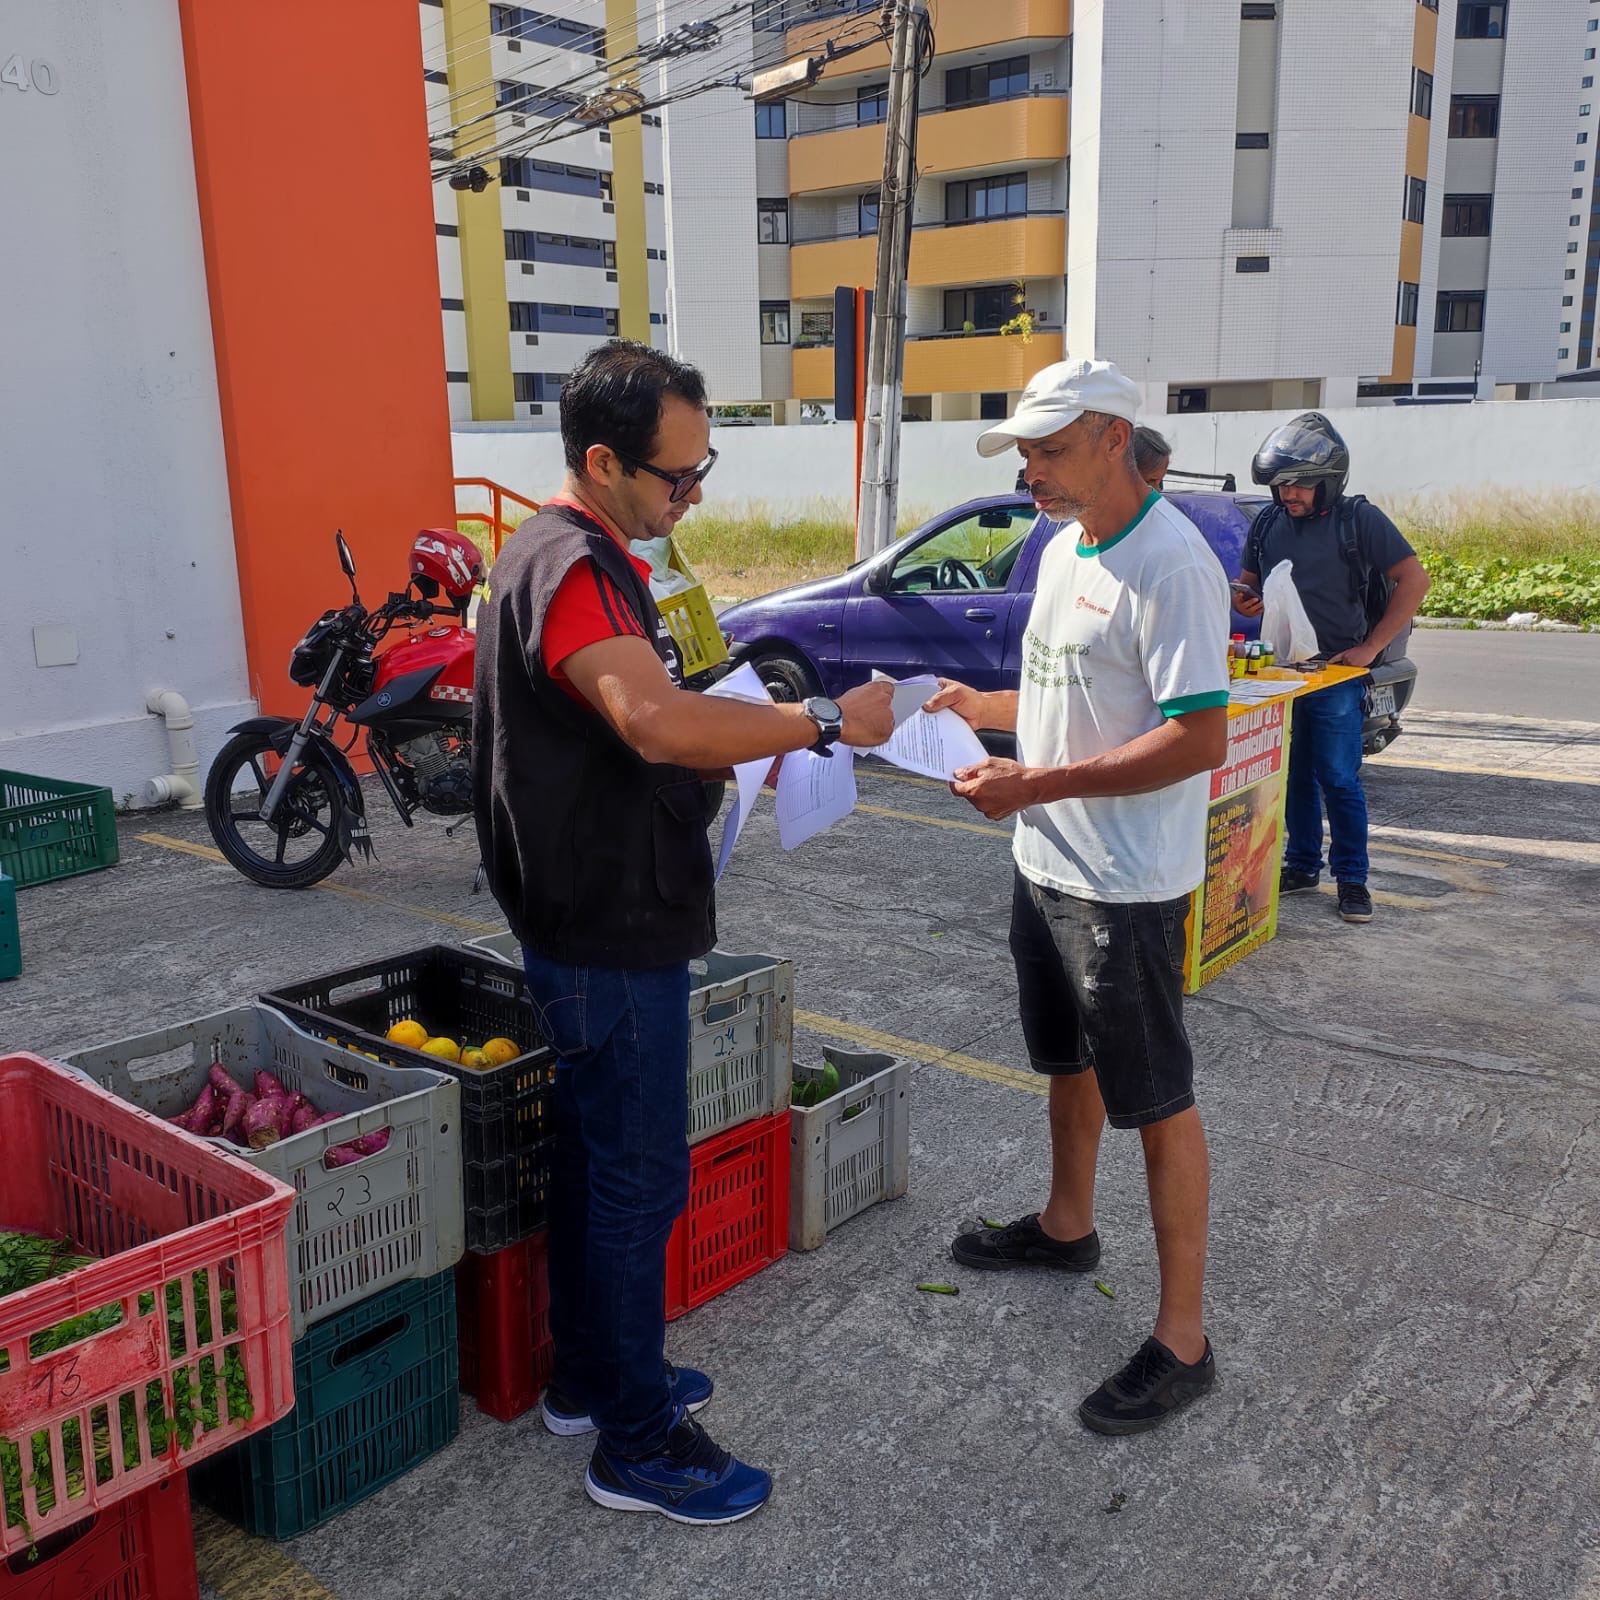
1370 585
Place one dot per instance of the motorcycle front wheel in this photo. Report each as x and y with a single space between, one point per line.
301 845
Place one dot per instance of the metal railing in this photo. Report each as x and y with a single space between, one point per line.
498 524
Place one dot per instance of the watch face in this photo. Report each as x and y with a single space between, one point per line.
825 708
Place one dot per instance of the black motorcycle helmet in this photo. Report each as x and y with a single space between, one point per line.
1307 450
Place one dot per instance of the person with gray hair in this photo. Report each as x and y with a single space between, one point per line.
1121 715
1152 455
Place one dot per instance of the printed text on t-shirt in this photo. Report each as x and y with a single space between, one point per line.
1046 664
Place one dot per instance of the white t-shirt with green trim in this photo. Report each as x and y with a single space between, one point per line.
1122 634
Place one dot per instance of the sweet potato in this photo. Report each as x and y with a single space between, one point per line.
239 1106
358 1149
303 1115
197 1119
223 1082
269 1088
263 1123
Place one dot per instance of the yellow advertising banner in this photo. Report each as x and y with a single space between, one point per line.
1235 910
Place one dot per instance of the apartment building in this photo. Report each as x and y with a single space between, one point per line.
1245 203
565 245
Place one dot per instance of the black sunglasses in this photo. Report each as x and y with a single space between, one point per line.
682 482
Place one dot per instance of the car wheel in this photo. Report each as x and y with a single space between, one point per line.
788 679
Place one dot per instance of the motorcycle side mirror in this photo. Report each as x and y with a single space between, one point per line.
346 560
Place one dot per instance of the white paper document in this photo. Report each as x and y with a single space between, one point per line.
744 683
814 792
933 744
1251 691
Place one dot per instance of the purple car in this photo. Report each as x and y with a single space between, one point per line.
953 598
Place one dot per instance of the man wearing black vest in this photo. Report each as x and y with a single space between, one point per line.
1361 584
590 762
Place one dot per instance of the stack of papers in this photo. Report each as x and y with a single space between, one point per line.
814 791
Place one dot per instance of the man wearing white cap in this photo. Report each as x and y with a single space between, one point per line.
1121 714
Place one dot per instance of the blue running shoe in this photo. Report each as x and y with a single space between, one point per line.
692 1480
690 1389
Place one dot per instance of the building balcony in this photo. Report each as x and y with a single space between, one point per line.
975 363
964 27
1029 131
942 255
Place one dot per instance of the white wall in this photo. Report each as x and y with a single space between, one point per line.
1400 452
117 520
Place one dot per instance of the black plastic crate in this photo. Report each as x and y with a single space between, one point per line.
376 1393
507 1114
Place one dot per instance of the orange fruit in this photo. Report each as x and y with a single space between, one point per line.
411 1034
500 1050
475 1059
445 1049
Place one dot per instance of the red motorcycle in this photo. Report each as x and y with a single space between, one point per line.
283 801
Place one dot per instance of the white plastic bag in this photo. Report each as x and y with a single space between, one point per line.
665 580
1284 623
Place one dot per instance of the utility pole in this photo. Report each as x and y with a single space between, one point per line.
880 465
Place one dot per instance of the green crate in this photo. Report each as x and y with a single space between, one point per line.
10 932
376 1392
52 829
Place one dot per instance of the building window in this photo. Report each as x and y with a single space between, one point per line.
772 221
980 198
1474 116
1562 353
1588 55
1583 110
446 230
1192 400
1416 202
535 386
1430 5
519 245
816 328
770 122
983 310
1583 138
1575 220
458 377
517 22
1475 20
524 316
992 406
1421 92
1592 26
452 305
867 212
1258 11
1466 216
1566 327
872 104
1572 247
992 80
1252 141
1579 165
1577 194
774 322
1405 313
435 77
658 319
1459 311
1570 274
1566 300
1252 263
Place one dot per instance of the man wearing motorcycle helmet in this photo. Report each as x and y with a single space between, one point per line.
589 761
1361 584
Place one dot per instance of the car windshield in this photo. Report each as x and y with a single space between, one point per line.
978 552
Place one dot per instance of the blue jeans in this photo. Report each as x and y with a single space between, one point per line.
619 1181
1325 756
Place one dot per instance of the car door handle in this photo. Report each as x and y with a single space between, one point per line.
827 627
978 614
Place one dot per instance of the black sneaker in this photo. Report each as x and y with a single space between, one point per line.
1292 882
1152 1386
1355 904
1025 1244
692 1479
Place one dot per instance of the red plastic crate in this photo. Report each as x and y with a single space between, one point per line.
141 1548
181 1229
737 1219
503 1317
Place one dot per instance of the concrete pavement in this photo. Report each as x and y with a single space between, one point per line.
1405 1257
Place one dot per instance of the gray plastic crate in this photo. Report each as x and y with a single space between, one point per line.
359 1229
741 1034
741 1040
852 1150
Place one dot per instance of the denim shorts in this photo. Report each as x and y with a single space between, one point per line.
1101 985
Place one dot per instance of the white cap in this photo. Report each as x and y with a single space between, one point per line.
1060 394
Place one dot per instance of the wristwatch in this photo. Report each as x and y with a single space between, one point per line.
829 720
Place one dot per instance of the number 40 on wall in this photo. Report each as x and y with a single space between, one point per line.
37 74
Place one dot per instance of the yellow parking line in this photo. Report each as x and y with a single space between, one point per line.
935 822
892 1044
1435 855
449 918
876 770
240 1567
1488 772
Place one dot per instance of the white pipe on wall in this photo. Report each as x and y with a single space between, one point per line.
182 783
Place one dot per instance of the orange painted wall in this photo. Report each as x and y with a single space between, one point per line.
310 146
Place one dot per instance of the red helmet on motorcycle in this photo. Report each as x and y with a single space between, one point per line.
443 559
